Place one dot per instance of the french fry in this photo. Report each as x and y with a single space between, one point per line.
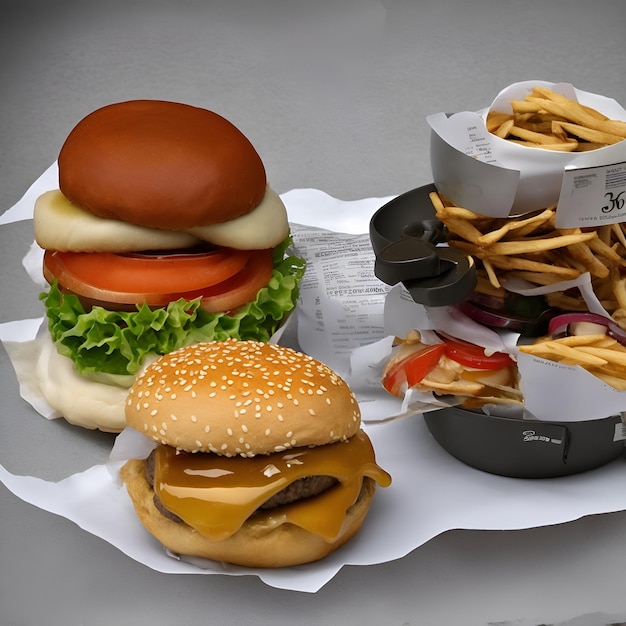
619 291
520 263
586 340
617 357
614 381
539 245
583 253
588 134
495 235
548 120
532 249
565 146
463 228
491 274
555 351
618 233
504 130
495 119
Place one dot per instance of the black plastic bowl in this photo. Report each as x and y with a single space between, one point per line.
520 448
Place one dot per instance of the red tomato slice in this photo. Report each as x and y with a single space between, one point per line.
143 273
471 355
412 369
242 287
117 281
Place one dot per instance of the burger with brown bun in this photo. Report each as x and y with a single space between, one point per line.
164 232
451 367
260 459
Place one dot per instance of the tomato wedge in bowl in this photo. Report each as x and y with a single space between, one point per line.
224 278
412 369
471 355
451 367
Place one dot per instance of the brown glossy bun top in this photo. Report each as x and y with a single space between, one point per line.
241 398
160 164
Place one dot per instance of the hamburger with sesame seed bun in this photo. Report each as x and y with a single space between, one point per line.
259 456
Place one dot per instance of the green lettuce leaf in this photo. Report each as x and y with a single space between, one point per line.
117 342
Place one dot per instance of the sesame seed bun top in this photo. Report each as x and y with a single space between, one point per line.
241 398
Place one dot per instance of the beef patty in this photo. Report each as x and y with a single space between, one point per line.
306 487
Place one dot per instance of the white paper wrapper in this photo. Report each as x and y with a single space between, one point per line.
431 491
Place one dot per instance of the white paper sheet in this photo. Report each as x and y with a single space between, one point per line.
431 492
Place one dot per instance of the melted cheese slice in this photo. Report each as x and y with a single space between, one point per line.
216 495
264 227
60 225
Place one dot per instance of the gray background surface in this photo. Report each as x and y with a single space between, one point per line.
333 95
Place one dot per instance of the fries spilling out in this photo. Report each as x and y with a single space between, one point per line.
546 119
599 354
531 248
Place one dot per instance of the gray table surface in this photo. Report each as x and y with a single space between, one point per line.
334 96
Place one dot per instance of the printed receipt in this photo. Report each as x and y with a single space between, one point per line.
341 300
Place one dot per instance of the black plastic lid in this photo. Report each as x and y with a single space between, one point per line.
405 234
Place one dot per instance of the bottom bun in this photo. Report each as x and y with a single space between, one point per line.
254 544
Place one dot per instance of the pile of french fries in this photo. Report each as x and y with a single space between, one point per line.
546 119
531 248
599 354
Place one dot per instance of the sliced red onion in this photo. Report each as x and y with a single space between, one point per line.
495 319
564 325
506 321
484 300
